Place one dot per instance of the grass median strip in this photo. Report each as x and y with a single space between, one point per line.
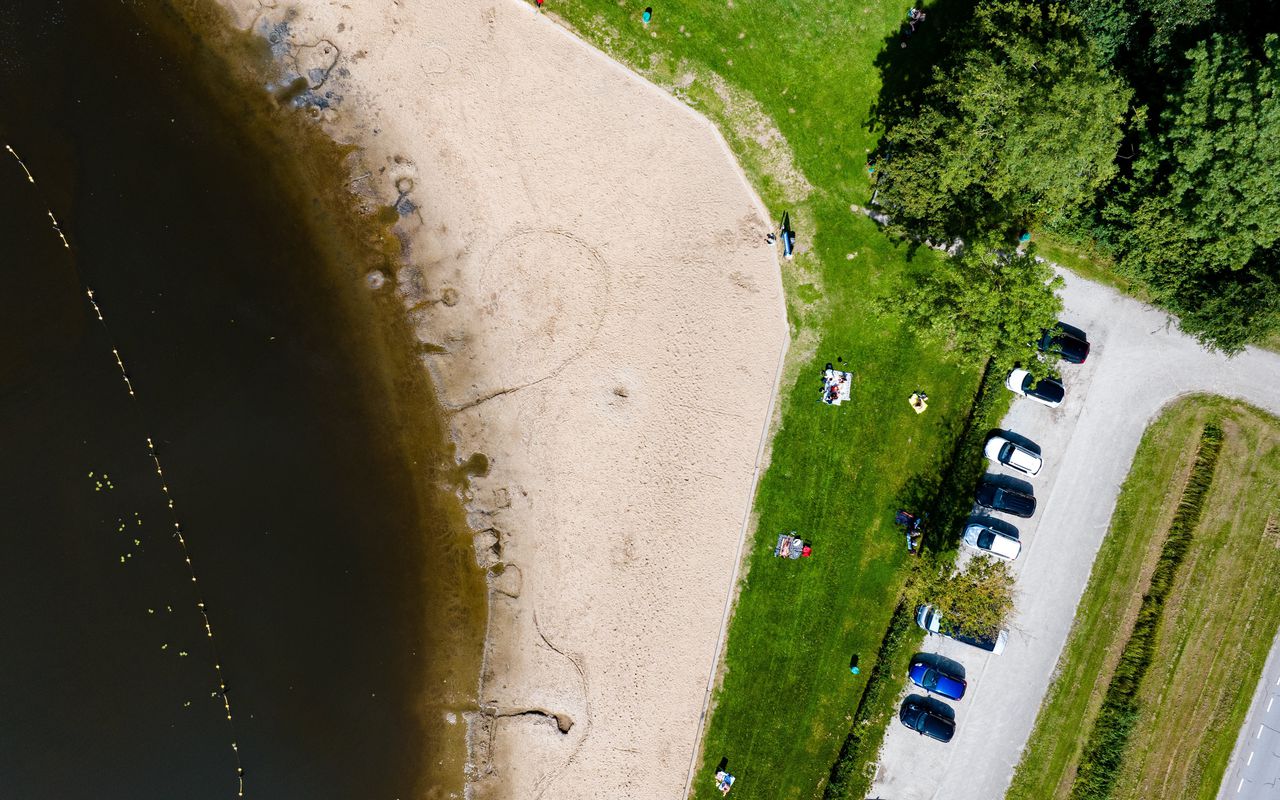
1176 621
1104 749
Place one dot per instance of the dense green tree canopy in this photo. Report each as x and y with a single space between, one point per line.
984 301
1199 218
1140 30
977 600
1018 123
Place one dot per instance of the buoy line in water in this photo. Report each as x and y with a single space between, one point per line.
221 691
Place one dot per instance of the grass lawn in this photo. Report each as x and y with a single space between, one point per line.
791 84
1218 622
1085 261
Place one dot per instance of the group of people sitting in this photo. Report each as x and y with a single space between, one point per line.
914 17
724 781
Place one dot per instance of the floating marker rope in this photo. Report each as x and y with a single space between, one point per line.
24 166
221 691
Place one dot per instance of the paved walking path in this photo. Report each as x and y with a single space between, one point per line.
1138 364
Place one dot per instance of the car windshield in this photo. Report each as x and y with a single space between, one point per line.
985 540
1006 452
930 679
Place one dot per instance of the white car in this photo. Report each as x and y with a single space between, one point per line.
990 540
1046 391
1014 456
928 618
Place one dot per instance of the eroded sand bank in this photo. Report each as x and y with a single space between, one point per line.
591 266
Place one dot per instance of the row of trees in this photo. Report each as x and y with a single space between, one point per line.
1150 127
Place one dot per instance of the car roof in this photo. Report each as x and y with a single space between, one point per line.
1005 545
1051 388
928 618
939 726
1023 457
950 682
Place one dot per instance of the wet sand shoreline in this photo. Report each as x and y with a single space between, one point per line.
586 270
313 477
352 222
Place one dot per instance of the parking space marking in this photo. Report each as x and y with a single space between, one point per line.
1250 761
1258 735
1269 702
1240 786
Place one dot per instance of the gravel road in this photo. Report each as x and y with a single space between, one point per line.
1138 364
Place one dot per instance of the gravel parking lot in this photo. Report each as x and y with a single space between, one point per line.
1139 363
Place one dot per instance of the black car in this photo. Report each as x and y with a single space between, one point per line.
1010 501
917 716
1064 344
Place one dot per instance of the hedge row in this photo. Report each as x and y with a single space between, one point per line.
1104 749
851 775
946 503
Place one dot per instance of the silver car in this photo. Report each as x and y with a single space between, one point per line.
990 540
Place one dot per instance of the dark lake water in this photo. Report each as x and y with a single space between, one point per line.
297 436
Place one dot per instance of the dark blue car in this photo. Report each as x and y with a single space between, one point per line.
932 679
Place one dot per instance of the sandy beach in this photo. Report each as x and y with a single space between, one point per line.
588 272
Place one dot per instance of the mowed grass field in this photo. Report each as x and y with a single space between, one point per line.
1218 622
792 85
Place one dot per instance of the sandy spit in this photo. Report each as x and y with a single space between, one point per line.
587 269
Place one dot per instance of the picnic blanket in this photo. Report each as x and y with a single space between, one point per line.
724 781
790 546
836 386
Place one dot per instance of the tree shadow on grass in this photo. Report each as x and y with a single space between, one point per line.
945 492
905 72
906 64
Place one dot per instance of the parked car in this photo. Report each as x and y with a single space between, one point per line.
928 618
1048 391
990 540
936 680
1010 501
926 722
1014 456
1063 343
